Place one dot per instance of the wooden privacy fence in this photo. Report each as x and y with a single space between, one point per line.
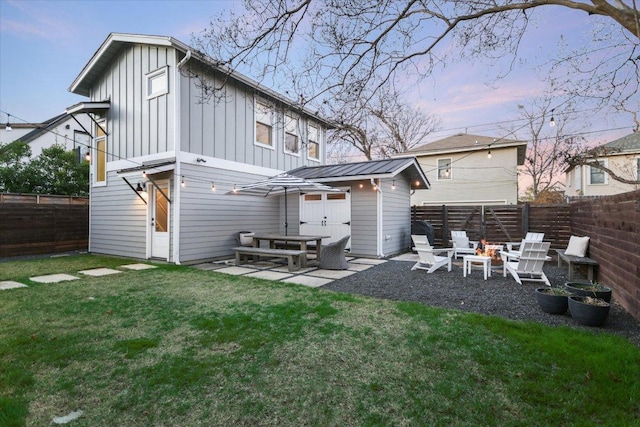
39 224
498 224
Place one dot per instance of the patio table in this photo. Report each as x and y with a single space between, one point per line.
467 260
302 239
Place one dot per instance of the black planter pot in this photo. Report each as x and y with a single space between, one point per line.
550 303
581 289
588 314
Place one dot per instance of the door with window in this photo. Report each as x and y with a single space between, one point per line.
326 214
160 220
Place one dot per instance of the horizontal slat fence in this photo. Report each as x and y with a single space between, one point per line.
42 225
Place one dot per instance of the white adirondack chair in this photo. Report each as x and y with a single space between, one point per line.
528 265
514 247
461 244
428 260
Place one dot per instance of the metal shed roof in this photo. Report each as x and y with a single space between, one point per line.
386 168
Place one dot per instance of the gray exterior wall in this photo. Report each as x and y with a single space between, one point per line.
137 126
117 220
396 216
364 220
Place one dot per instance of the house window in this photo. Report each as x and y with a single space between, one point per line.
444 169
291 137
637 168
157 82
313 146
598 176
100 157
264 124
81 140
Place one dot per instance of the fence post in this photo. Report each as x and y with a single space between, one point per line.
525 219
445 225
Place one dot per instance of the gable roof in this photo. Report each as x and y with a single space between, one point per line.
373 169
110 48
464 142
43 128
624 145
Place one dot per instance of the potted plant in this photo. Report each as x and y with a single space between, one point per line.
589 289
553 300
589 311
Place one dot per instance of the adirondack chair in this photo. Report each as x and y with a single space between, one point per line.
528 265
428 260
514 247
461 244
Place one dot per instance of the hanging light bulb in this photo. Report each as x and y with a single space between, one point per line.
446 173
552 122
235 190
213 186
144 174
87 156
8 127
182 182
489 154
393 186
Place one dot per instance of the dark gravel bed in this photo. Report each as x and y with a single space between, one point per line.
499 296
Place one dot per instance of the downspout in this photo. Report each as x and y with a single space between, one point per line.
380 218
177 148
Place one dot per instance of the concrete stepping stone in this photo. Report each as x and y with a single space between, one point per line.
312 282
139 266
53 278
9 284
96 272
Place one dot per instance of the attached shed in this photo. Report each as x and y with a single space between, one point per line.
379 202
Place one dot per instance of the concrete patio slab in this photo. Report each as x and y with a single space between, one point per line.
139 266
369 261
53 278
269 275
310 281
285 269
359 267
406 257
236 271
10 284
331 274
97 272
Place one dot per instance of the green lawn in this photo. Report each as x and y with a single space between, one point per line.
176 346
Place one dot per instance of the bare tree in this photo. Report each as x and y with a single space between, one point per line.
358 44
379 128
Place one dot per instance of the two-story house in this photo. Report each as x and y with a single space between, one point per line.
164 157
467 169
621 156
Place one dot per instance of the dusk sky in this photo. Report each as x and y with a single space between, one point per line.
45 44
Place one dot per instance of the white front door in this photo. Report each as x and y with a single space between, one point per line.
160 210
326 214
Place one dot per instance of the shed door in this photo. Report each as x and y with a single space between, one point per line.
326 214
160 221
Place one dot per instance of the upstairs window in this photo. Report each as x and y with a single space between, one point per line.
291 137
598 176
444 169
637 168
313 144
100 162
264 124
157 83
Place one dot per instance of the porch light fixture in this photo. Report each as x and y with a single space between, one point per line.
8 127
552 122
144 174
140 188
489 154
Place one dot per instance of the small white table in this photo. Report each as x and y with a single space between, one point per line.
467 260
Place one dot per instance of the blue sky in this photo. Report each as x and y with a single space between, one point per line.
45 44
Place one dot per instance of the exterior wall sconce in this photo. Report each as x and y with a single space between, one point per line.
8 127
140 188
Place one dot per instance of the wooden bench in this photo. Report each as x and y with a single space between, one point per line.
572 261
295 258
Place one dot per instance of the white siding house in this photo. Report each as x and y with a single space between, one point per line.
621 156
153 130
467 169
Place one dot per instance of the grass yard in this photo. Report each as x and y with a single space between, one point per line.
176 346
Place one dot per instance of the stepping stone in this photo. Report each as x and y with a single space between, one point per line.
138 266
312 282
53 278
100 272
8 284
269 275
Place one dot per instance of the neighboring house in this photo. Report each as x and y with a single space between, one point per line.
164 158
16 131
59 130
621 156
469 169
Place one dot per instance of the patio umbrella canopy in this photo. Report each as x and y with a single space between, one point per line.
280 185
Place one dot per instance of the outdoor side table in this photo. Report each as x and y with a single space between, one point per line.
467 260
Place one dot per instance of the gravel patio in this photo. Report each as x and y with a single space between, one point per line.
499 296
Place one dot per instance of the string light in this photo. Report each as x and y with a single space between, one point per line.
393 186
489 154
235 190
87 156
552 122
8 127
144 174
182 182
213 186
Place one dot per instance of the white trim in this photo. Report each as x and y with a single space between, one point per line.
637 166
177 123
318 142
604 163
271 110
212 162
137 161
162 71
295 118
450 178
465 202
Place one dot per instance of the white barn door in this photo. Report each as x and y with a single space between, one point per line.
326 214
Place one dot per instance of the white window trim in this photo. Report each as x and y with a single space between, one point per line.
269 106
450 178
318 142
637 165
287 117
160 71
606 175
